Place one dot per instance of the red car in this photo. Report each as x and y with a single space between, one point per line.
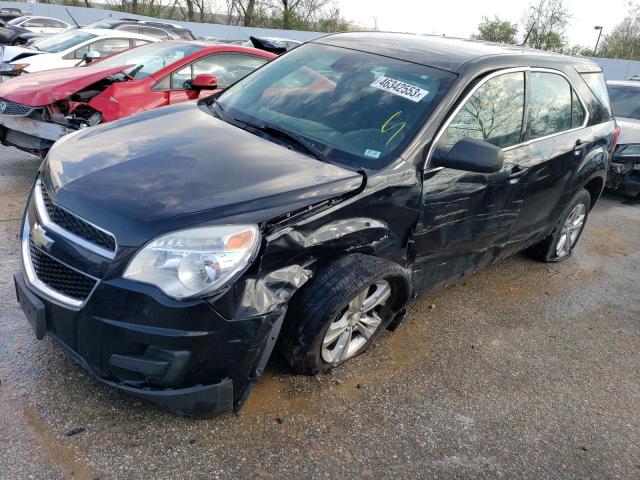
39 108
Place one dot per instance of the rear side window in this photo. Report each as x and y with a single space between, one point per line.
554 106
54 23
598 86
577 111
494 113
155 32
129 28
550 104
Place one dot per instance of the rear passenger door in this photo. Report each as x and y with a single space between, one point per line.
555 145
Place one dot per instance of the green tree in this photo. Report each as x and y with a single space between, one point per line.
497 30
624 40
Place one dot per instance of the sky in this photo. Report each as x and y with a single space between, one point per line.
460 18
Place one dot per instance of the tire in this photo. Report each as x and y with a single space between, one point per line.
554 248
329 300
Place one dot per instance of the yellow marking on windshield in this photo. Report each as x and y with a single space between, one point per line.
388 126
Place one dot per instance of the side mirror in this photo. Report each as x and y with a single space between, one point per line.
472 155
204 81
90 56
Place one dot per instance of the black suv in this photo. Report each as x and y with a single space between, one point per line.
304 207
161 30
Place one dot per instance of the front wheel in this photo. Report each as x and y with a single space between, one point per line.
339 313
564 237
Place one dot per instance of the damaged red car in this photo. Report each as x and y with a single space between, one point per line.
38 109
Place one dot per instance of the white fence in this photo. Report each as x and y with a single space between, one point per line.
85 16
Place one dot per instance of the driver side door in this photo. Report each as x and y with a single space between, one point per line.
467 217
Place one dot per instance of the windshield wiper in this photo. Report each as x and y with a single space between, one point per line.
288 136
271 129
223 113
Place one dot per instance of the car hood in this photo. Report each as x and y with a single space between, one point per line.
43 88
629 130
178 166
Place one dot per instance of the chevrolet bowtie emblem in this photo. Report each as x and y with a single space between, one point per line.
39 237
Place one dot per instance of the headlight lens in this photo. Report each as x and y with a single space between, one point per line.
195 262
632 150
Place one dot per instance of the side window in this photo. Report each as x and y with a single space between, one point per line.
35 23
180 77
228 67
550 104
54 24
494 113
155 32
107 46
577 112
129 28
136 42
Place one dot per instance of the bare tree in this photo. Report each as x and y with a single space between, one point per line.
544 25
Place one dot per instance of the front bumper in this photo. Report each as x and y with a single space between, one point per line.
29 134
183 355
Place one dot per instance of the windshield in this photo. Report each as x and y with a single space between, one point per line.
358 109
16 21
63 41
625 101
151 58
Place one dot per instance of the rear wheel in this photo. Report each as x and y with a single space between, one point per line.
339 313
564 237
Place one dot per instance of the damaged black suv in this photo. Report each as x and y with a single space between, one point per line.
169 252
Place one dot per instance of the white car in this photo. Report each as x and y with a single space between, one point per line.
67 49
44 25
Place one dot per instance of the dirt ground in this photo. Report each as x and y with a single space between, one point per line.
525 370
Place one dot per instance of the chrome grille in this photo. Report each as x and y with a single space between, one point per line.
58 276
14 109
76 225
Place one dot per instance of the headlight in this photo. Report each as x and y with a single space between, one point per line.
195 262
632 150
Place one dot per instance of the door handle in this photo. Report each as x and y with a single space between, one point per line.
516 172
579 145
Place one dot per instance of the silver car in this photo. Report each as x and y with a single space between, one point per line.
624 171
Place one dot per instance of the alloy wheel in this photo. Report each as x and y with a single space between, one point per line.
351 331
570 230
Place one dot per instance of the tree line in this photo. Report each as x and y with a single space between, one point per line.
543 25
316 15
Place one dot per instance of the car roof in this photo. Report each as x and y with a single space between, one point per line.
150 23
105 32
448 53
223 47
624 83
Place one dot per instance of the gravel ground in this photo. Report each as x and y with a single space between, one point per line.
524 370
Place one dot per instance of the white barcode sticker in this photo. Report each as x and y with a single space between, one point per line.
403 89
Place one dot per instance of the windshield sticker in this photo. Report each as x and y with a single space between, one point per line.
405 90
372 153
